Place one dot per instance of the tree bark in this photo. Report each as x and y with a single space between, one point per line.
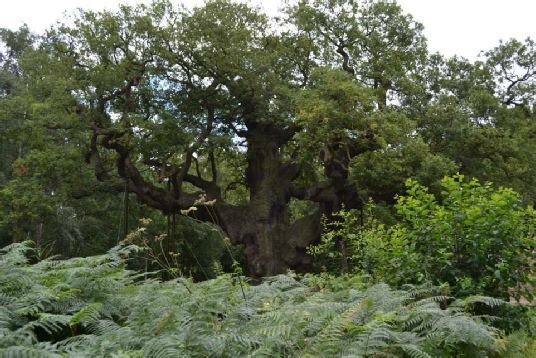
273 245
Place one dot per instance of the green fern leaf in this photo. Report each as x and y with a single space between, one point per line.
88 314
25 352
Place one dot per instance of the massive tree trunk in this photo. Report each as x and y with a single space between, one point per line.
273 245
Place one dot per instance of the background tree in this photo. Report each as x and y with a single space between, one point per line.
12 109
467 118
44 189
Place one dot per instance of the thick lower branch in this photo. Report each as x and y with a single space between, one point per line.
149 194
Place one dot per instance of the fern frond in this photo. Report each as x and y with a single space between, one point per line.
102 327
76 343
454 330
161 348
240 342
50 323
374 339
15 279
314 317
414 351
26 352
88 314
18 337
16 254
281 331
471 300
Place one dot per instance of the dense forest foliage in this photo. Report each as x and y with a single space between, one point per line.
275 122
199 142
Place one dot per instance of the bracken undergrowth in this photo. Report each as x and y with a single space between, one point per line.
96 307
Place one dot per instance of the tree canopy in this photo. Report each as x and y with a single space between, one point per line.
273 122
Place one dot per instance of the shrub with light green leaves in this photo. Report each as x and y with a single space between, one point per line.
476 239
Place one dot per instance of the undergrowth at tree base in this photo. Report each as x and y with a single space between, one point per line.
95 307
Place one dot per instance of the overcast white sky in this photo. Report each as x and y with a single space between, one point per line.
462 27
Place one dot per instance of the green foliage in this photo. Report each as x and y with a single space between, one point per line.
90 307
51 300
520 345
476 240
44 183
480 115
174 101
194 250
341 243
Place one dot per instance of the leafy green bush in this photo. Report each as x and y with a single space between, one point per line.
94 307
519 345
341 244
476 240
